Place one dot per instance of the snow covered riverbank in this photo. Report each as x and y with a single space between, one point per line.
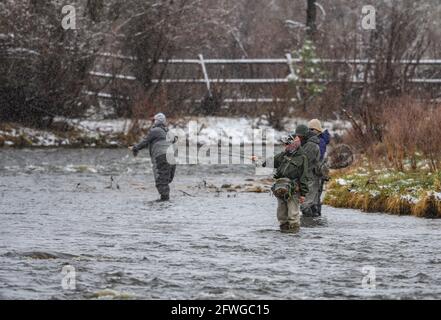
114 133
412 192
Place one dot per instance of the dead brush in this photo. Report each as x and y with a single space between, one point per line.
428 207
398 206
401 135
142 110
429 137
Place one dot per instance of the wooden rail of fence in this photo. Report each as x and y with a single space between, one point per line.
289 61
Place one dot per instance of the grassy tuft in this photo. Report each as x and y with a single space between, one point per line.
414 193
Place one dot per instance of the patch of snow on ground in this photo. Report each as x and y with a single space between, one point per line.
240 130
342 182
437 195
206 130
374 193
105 126
409 198
38 138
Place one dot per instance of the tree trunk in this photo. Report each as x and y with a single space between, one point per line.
94 8
311 16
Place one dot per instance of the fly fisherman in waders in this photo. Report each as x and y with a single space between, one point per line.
315 126
164 167
291 185
310 144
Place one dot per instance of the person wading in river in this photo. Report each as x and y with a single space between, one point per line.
158 144
292 168
315 127
310 144
291 185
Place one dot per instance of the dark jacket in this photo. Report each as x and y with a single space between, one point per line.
156 141
312 150
325 139
293 166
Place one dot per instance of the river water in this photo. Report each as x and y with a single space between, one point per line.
59 212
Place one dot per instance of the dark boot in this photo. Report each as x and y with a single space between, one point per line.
165 197
319 209
284 227
293 228
310 212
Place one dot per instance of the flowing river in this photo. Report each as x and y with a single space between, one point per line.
63 218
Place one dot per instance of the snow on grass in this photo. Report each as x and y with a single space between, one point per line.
240 130
105 126
409 198
205 131
342 182
32 137
387 190
437 195
374 193
211 130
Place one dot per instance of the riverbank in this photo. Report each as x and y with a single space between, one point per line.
416 193
73 133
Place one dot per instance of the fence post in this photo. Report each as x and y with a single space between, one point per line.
204 71
289 61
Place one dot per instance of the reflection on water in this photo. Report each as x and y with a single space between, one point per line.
62 208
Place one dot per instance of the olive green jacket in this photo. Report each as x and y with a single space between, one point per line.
312 152
293 166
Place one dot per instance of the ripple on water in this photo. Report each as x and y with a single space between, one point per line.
13 213
39 255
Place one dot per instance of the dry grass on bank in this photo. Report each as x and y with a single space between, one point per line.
416 193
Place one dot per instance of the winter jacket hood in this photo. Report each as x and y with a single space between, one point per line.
312 138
